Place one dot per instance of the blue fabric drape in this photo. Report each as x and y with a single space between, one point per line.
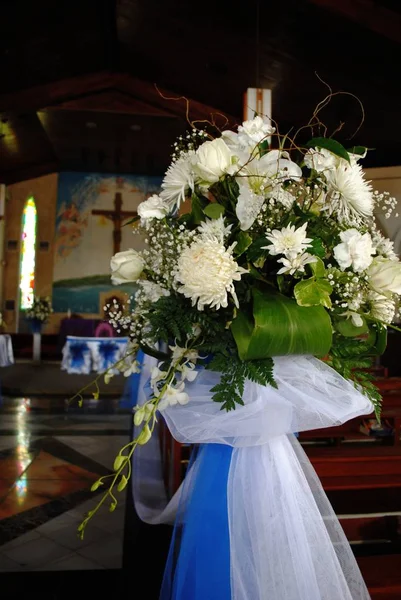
198 566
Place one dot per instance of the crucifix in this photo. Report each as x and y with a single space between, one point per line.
117 216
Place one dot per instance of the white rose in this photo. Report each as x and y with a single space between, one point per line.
212 160
126 267
152 208
321 159
355 250
254 131
385 275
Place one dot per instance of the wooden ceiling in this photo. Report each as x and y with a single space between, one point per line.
77 78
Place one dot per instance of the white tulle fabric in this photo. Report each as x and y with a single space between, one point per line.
285 540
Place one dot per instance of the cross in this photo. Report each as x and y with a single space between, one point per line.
117 216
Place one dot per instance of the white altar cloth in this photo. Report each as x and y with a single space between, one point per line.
81 355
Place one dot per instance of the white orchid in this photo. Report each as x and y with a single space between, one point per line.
173 396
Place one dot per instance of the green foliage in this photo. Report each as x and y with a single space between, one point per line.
280 327
352 358
214 210
234 372
170 319
317 248
312 292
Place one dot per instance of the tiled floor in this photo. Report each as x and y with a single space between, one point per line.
49 458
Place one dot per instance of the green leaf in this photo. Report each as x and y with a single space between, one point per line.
255 251
281 327
198 203
329 144
318 269
316 248
359 150
312 292
348 329
243 240
214 210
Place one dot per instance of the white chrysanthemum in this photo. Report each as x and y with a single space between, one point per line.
207 271
178 181
381 307
295 263
248 207
288 241
349 194
214 228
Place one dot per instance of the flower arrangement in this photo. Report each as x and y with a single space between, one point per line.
40 310
251 253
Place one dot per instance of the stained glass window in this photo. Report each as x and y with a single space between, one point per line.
27 261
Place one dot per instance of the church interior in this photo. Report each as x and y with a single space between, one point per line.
93 95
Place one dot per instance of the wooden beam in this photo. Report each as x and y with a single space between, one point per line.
67 91
367 13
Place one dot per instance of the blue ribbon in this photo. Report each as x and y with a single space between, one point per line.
198 565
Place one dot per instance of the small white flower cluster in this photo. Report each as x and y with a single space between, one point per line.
40 310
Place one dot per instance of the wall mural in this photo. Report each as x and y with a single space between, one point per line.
91 211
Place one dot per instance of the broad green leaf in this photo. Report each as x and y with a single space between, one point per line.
318 269
280 327
348 329
199 203
359 150
312 292
316 248
243 240
255 250
214 210
329 144
378 337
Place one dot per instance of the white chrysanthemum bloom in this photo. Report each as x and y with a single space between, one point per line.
248 207
178 181
254 131
207 271
295 263
215 228
151 291
355 250
173 396
152 208
385 276
288 241
321 160
349 195
381 307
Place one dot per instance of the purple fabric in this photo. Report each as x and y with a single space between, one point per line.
78 327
